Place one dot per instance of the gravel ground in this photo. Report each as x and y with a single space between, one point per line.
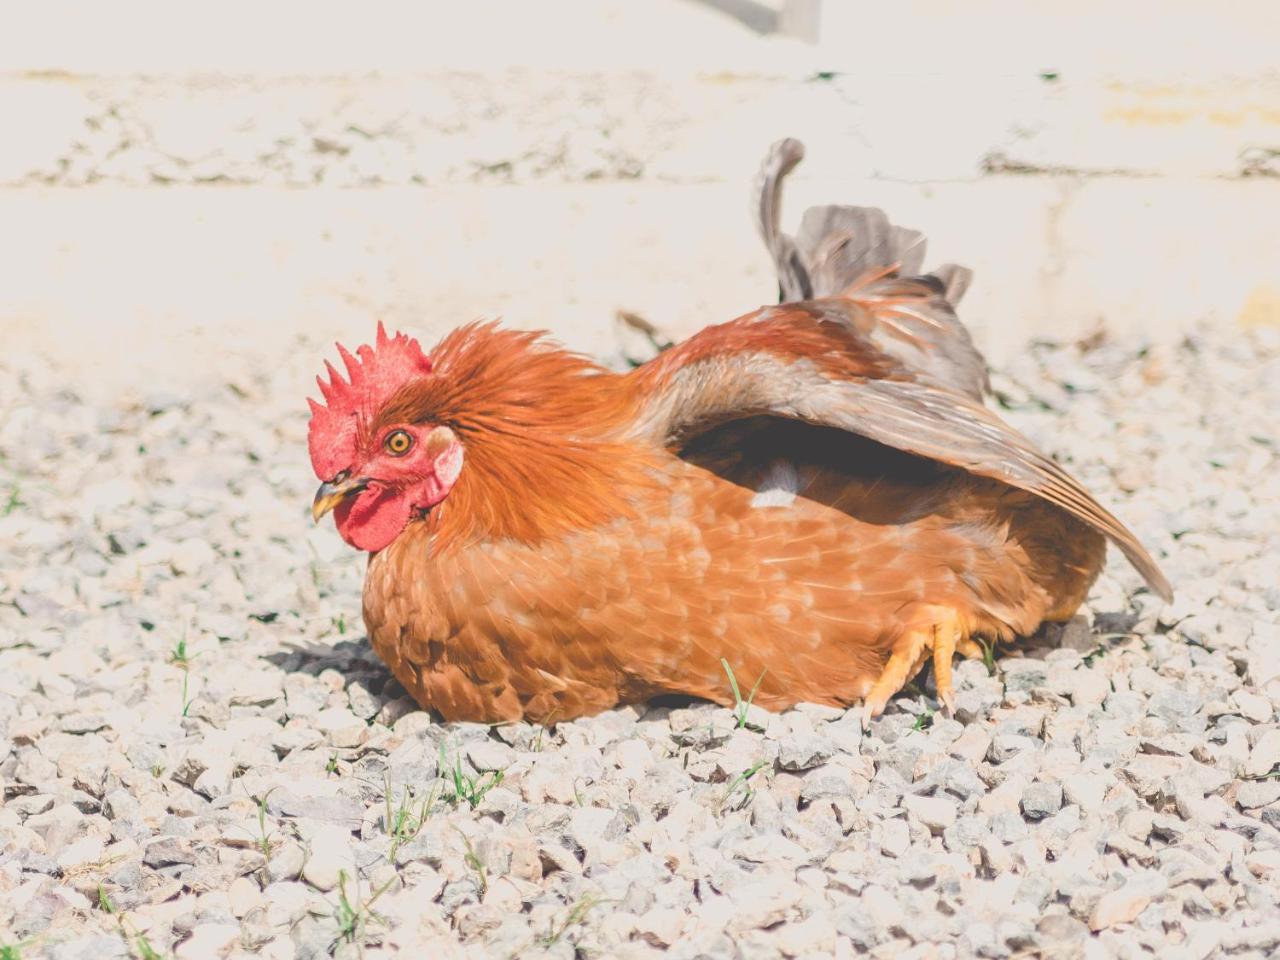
201 756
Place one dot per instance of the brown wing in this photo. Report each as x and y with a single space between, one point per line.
812 362
855 253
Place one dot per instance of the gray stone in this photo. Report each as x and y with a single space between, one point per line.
191 556
1005 747
286 860
1040 800
1118 907
335 809
936 813
127 875
168 851
330 852
1008 827
1024 673
1264 758
831 781
89 947
1148 774
804 751
1252 794
487 756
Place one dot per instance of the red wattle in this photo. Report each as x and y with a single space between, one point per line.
373 518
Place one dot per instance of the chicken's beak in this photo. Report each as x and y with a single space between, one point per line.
334 492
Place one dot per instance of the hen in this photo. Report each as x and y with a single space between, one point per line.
813 492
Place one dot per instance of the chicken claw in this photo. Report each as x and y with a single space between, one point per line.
944 649
943 638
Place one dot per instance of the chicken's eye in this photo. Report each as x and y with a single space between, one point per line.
398 443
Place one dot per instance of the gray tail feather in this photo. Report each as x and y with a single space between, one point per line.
793 275
837 245
955 281
856 252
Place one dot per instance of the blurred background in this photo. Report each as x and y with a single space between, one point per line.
183 187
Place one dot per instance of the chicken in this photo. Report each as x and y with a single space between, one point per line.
812 494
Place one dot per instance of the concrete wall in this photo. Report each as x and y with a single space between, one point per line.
176 193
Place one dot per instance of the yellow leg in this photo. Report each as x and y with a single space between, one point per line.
944 638
904 662
944 649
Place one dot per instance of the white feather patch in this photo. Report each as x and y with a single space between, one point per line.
778 486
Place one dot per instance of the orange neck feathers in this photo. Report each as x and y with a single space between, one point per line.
541 430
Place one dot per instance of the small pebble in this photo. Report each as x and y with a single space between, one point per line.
1041 800
936 813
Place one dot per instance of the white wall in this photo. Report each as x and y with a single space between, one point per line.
174 192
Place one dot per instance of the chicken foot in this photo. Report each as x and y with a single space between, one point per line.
941 638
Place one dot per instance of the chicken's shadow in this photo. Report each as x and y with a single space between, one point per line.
353 660
381 695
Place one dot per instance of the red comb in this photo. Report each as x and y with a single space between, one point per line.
374 374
